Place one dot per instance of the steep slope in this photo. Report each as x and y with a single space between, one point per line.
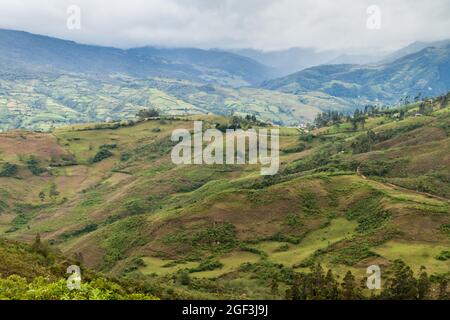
25 53
414 48
136 214
40 273
425 72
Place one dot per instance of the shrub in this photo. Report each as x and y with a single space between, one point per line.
207 265
148 113
219 236
33 166
8 170
101 155
444 256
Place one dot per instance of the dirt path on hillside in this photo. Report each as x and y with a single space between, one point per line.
426 194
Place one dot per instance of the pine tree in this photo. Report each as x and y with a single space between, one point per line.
423 284
403 285
349 287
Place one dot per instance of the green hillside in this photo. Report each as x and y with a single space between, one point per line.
38 272
44 102
420 74
348 195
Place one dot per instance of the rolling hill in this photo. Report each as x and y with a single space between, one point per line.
345 197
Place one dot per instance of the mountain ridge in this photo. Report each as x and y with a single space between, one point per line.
424 72
36 53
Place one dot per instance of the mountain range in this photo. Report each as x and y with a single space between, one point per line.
425 73
30 53
109 198
46 82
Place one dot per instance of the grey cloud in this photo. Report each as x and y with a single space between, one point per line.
262 24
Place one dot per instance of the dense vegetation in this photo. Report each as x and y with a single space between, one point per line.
346 197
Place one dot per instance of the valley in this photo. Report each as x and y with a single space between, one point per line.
107 195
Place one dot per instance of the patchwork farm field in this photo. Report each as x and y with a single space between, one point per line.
108 196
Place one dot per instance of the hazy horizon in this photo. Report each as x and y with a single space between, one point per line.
230 24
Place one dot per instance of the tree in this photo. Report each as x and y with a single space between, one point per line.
274 286
349 287
39 246
402 285
184 278
423 284
331 286
442 292
8 170
148 113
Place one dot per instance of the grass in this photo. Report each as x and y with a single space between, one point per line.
163 267
231 262
416 255
137 201
338 229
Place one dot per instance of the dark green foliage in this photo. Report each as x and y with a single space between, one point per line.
283 237
266 270
136 206
102 155
368 213
124 234
354 253
8 170
245 247
219 236
33 166
207 265
444 255
306 137
350 289
364 143
24 213
148 113
445 228
149 151
401 285
293 220
184 278
308 203
328 118
86 229
135 264
380 168
108 146
40 247
301 147
237 122
314 286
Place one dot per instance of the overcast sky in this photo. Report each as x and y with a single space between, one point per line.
262 24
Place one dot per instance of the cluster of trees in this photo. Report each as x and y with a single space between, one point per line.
330 118
359 116
443 100
401 284
364 143
148 113
238 122
104 152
